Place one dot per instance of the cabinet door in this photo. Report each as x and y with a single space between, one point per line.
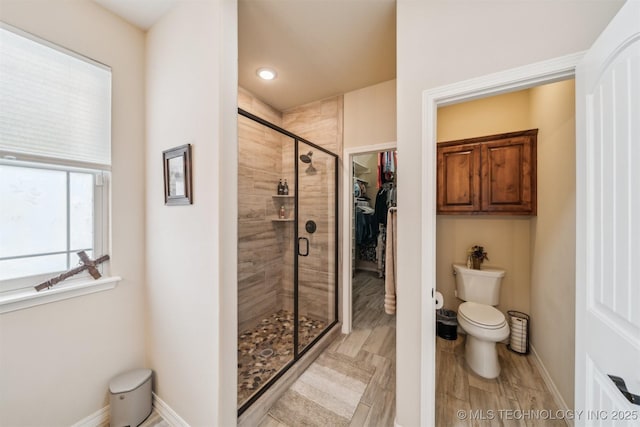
508 175
459 178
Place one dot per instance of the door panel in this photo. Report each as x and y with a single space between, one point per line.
316 236
608 202
508 181
459 178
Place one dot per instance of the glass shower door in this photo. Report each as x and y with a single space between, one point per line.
266 251
316 231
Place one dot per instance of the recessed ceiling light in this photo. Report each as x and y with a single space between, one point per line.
267 73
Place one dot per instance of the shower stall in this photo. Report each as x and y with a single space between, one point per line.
287 251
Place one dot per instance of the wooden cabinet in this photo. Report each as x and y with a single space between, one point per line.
493 174
459 178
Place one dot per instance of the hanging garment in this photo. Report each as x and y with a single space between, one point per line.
381 206
366 228
391 263
380 249
380 171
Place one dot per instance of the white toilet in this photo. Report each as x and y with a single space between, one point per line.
483 324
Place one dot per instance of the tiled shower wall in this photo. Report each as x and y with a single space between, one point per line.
266 248
321 123
261 243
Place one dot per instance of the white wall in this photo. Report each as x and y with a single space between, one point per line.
370 115
441 42
191 265
553 236
56 360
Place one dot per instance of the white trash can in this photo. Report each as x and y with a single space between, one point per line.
130 398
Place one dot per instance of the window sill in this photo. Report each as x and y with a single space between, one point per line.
25 298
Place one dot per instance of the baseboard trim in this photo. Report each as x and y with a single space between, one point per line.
168 414
551 385
101 416
97 419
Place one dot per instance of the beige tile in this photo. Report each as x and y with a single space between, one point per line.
532 400
350 366
453 376
294 409
248 102
385 369
354 342
360 416
269 421
493 406
319 122
506 393
451 346
381 341
330 389
488 385
447 411
383 409
520 370
346 366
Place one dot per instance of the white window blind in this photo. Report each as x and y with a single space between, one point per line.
53 103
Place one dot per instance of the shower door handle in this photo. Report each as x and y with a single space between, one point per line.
306 253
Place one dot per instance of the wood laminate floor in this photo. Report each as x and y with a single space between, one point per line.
352 383
512 398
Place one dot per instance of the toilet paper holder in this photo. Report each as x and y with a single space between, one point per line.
439 300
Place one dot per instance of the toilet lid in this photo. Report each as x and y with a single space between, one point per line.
481 314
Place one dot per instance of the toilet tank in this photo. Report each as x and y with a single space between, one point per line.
481 286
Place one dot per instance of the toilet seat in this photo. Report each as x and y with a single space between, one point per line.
482 315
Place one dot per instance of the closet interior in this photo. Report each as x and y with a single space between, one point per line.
374 192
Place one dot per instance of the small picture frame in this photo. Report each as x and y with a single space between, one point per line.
177 176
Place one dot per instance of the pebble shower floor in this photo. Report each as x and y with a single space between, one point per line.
267 348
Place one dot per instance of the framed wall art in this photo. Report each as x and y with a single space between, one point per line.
177 176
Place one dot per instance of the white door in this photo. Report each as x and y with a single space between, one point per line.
608 223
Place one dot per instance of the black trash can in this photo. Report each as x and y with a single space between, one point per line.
447 324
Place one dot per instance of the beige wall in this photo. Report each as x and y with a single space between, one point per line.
506 239
475 45
56 360
370 115
191 250
486 116
370 161
538 253
553 234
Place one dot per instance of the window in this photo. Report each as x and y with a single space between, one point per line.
55 158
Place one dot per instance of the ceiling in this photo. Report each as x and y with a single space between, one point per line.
319 48
141 13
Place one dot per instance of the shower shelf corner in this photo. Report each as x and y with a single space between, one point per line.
282 196
282 219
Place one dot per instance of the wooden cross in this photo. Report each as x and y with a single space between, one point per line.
87 264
